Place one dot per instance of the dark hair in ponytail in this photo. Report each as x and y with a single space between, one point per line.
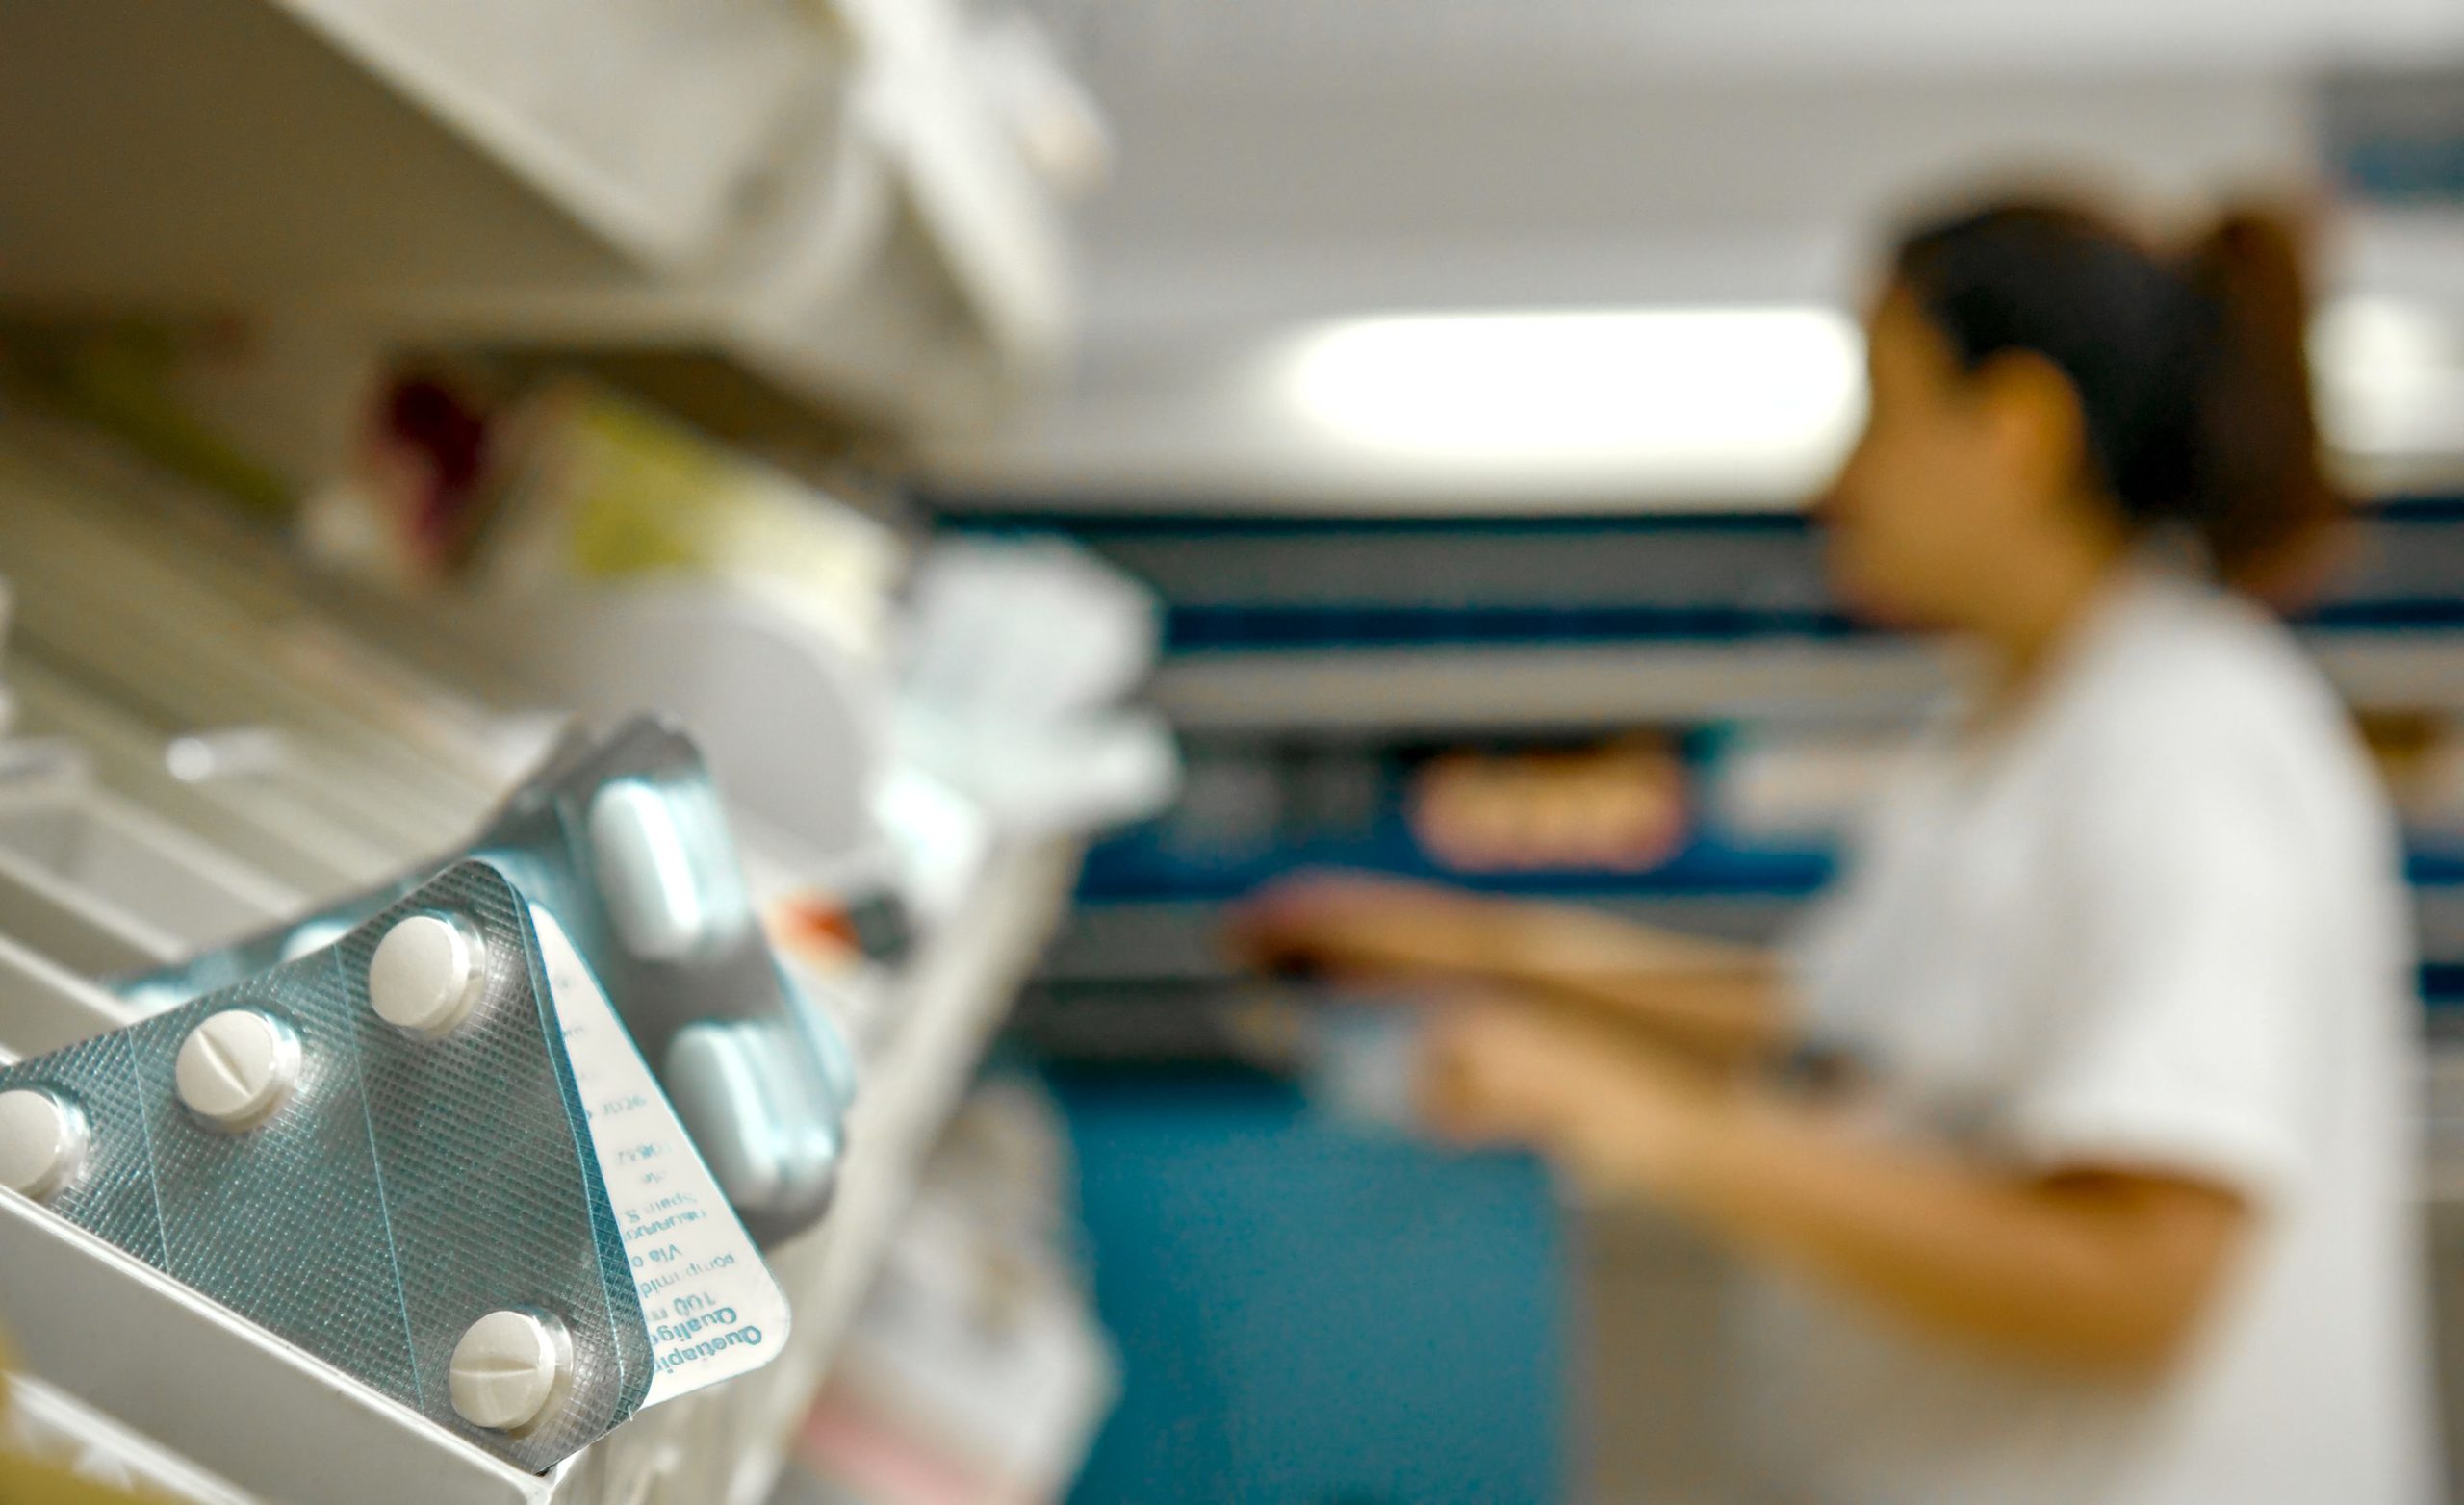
2191 370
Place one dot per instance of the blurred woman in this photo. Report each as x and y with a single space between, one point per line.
2112 1202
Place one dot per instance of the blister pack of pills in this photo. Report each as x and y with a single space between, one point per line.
623 838
428 1153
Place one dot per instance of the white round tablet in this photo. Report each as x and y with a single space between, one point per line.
43 1142
508 1370
235 1069
426 975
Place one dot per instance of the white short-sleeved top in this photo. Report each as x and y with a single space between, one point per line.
2156 920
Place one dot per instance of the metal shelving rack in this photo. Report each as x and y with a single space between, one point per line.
100 868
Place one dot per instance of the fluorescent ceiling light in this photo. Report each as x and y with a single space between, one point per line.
1768 395
2362 337
2388 376
1683 388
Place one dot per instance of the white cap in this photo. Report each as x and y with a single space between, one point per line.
235 1069
509 1368
426 975
43 1142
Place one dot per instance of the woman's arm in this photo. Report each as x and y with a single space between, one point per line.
1710 998
2100 1269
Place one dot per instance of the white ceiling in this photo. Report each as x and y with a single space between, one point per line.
1284 163
1175 45
1237 211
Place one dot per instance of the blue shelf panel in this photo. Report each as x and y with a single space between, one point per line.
1203 630
1125 869
1370 626
1129 869
1245 583
1309 1313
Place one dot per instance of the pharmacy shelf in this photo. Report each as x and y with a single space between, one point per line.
341 143
728 1445
105 1329
1405 691
643 119
1415 690
1121 934
757 186
107 854
845 292
1131 943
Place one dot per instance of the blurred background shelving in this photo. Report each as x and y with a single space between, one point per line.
1441 390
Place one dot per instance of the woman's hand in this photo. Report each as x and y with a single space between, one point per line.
1716 1001
1618 1114
2104 1269
1354 925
